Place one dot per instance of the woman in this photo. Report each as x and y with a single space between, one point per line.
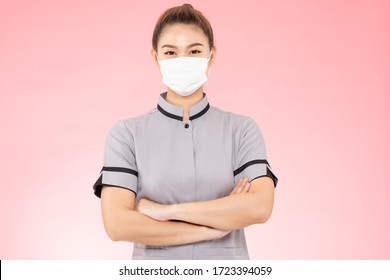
184 179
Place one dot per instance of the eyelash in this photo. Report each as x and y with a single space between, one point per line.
191 52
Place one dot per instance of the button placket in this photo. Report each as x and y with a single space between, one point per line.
189 161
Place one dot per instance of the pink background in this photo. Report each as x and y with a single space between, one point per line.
313 74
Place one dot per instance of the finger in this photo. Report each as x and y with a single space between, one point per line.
236 187
138 205
241 185
247 187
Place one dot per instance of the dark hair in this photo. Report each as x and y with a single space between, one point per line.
182 14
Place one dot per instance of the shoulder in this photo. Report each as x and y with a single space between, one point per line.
241 126
233 119
134 121
128 125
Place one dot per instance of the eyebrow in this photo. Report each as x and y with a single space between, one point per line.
175 47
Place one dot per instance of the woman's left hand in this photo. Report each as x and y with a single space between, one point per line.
153 210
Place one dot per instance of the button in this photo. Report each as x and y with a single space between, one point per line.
186 125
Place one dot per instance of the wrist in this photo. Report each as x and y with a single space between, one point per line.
216 233
209 233
173 212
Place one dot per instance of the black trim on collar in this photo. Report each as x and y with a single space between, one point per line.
169 115
242 168
201 113
120 169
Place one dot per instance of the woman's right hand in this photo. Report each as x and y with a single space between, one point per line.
242 186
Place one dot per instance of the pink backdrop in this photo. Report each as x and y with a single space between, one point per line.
313 74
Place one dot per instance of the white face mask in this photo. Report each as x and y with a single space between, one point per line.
184 75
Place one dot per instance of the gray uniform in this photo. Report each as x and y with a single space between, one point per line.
159 157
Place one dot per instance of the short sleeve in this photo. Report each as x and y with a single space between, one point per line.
119 164
251 158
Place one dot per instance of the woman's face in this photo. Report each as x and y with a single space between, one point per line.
178 40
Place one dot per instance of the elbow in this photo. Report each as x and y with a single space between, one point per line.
114 231
262 216
116 225
113 235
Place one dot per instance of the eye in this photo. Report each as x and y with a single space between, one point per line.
170 53
195 52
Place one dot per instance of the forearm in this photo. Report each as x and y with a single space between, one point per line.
230 212
227 213
123 223
129 225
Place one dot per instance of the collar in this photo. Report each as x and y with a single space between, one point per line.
176 113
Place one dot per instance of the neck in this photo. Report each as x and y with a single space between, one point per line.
185 102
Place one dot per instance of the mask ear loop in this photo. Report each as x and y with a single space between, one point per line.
208 67
157 57
211 53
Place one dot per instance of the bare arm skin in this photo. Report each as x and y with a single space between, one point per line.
247 204
123 223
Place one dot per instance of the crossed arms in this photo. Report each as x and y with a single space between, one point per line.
152 223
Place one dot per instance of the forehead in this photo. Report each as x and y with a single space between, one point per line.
181 35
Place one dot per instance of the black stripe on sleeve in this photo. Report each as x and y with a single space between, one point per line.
242 168
270 175
120 169
98 186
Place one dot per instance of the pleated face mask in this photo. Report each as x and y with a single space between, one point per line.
184 75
